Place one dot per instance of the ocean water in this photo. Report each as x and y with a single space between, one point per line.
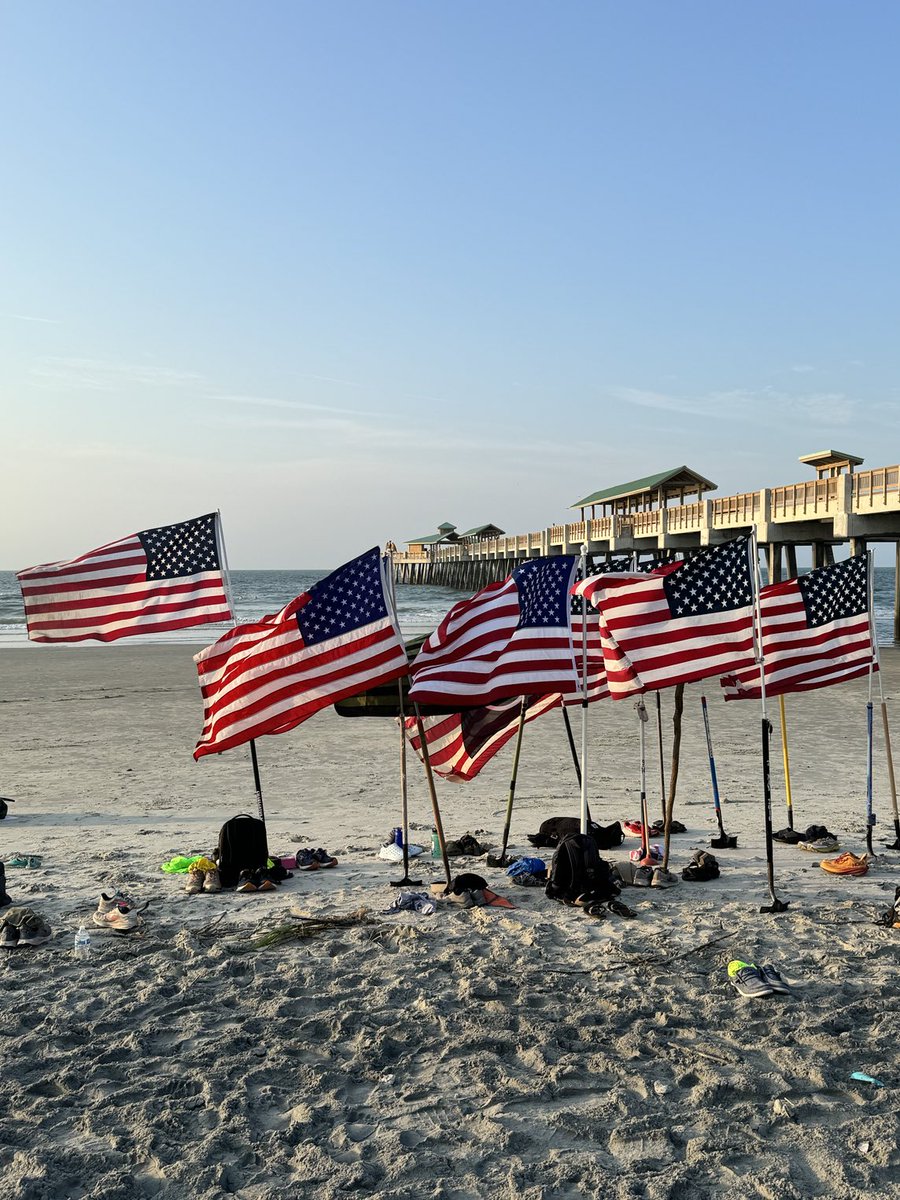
256 593
419 609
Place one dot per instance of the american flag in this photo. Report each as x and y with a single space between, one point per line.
815 631
678 625
335 640
510 639
149 582
597 685
460 744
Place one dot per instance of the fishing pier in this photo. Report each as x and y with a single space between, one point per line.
670 515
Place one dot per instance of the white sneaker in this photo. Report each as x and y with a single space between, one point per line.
107 903
121 919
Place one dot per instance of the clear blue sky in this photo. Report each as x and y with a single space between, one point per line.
348 270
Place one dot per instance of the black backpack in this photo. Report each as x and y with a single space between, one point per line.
578 870
554 829
242 847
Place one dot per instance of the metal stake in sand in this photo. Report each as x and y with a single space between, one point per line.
502 860
584 698
662 763
777 905
673 774
641 710
723 841
895 844
786 759
435 809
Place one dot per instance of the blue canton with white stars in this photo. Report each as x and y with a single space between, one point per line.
715 581
836 592
174 551
348 598
543 587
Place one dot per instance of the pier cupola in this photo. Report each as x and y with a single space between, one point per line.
830 463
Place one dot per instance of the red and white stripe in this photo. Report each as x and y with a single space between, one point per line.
478 655
460 744
261 678
105 595
798 658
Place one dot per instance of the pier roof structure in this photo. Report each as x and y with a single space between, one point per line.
652 489
829 463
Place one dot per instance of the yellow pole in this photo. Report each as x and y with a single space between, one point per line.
787 764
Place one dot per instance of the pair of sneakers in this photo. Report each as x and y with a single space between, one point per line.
117 912
748 979
314 860
255 881
23 927
202 879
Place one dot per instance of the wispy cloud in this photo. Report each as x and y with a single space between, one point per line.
273 402
802 368
747 404
40 320
98 375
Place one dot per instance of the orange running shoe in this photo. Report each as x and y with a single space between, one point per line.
845 864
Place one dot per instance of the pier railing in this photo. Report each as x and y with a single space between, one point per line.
830 502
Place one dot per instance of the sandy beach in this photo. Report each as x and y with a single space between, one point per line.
519 1054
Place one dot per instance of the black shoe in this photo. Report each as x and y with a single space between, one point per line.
246 882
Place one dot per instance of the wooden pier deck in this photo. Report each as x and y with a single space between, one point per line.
856 508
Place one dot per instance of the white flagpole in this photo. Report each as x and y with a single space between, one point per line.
387 567
777 905
223 559
226 579
584 698
870 815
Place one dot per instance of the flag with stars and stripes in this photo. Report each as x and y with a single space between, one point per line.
687 621
815 631
510 639
337 639
585 616
461 743
150 582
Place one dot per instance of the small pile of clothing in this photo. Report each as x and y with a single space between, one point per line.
817 838
23 927
471 891
528 872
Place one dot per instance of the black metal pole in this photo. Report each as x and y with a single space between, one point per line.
777 905
258 786
570 736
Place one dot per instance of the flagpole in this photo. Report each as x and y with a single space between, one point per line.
503 861
662 765
895 845
403 798
435 809
673 772
723 841
786 759
870 815
641 710
584 699
777 905
571 737
226 579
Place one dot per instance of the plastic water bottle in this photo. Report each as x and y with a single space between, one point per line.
82 943
435 844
